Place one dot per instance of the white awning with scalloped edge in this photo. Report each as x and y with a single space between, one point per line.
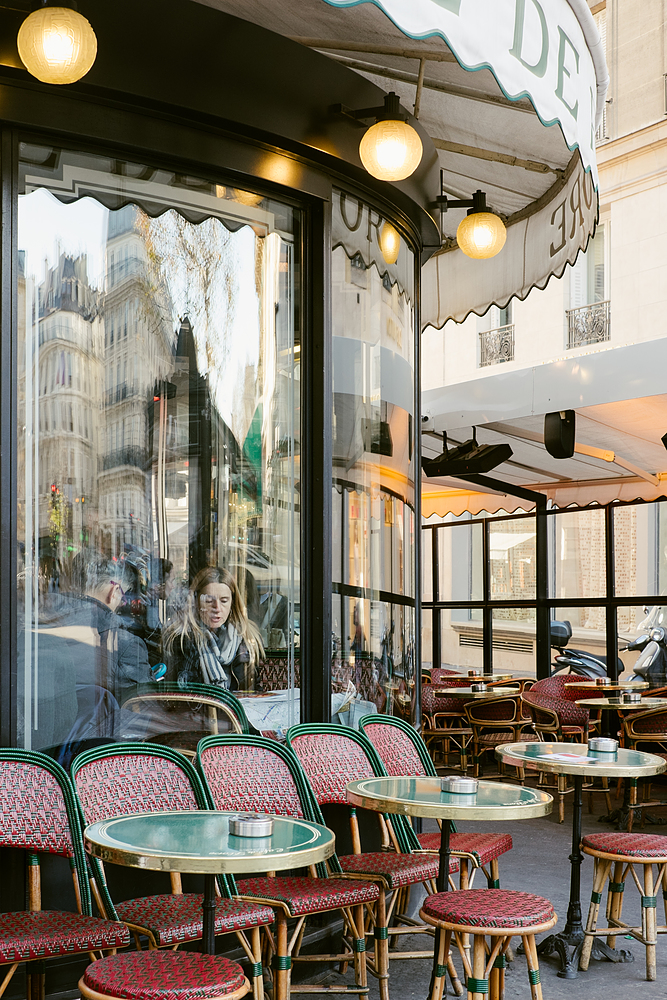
510 91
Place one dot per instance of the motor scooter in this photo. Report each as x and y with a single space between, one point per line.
577 661
651 664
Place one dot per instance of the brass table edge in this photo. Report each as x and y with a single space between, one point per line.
450 810
201 865
603 768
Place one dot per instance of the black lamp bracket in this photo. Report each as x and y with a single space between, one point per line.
389 111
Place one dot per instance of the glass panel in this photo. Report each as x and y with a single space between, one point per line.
158 381
514 635
374 461
638 553
589 629
427 565
633 622
577 554
461 639
512 553
427 638
460 563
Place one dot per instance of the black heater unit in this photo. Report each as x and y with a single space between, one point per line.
467 459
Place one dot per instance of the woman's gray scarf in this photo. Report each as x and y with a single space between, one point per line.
219 652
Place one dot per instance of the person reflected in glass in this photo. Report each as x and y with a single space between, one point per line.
213 641
108 661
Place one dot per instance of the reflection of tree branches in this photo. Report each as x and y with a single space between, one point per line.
196 263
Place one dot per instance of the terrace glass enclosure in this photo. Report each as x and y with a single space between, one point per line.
606 575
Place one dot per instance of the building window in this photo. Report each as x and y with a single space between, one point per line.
589 315
496 345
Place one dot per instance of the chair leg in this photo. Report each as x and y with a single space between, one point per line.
359 945
257 971
478 967
615 900
281 959
602 868
382 945
562 786
649 922
530 949
439 981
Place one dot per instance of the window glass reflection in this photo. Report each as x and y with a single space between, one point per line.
374 467
158 447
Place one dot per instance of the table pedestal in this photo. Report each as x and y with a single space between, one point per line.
208 912
573 934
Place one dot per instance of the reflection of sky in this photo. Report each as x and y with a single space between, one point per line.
227 334
45 222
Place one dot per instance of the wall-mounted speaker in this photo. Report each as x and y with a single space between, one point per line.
559 430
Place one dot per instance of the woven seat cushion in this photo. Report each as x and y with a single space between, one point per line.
398 869
629 845
485 846
174 919
310 895
503 908
25 936
164 975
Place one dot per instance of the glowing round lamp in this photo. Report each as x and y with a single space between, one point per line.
391 150
247 198
57 45
481 235
390 243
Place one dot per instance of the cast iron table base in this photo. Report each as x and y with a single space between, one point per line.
572 937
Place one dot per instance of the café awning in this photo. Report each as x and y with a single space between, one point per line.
511 92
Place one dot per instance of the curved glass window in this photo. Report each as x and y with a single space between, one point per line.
158 381
374 470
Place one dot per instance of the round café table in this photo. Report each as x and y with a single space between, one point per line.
470 695
423 796
576 759
644 705
617 704
620 686
199 842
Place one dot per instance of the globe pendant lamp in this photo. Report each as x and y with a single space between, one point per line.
390 243
481 234
391 150
57 44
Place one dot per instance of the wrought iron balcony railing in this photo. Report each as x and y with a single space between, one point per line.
496 346
588 324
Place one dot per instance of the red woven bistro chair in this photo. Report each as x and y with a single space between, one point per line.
556 717
498 914
494 722
444 723
38 815
331 757
644 731
253 774
121 779
617 855
402 751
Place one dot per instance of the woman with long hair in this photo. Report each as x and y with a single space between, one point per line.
213 641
